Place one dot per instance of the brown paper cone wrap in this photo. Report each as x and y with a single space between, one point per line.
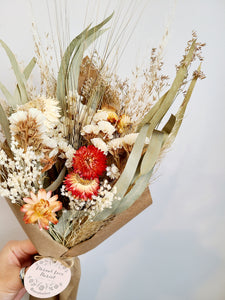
46 246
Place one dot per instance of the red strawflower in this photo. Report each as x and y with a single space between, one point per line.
89 162
81 188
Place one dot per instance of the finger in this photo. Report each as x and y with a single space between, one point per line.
18 253
23 250
20 294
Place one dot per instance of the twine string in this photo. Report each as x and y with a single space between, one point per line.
66 261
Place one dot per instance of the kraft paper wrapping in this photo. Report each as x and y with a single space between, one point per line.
46 246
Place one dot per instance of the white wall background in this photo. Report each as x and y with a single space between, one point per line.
175 249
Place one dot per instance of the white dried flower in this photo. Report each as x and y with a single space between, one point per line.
17 117
49 142
89 129
115 143
69 155
104 199
130 139
63 145
107 128
101 115
100 144
54 152
112 172
37 115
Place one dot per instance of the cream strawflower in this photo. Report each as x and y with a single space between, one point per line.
48 106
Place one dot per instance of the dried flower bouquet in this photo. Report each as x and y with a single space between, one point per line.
84 150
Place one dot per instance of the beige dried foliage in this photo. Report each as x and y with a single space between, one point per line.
27 134
84 231
93 76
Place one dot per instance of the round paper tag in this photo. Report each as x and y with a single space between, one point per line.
46 278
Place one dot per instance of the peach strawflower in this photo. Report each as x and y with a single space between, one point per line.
89 162
123 124
41 209
81 188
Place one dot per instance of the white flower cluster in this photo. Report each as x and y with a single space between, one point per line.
112 172
100 130
102 127
75 204
104 199
21 175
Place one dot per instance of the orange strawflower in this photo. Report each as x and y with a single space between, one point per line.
41 209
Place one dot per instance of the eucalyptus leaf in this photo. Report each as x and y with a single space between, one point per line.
147 166
134 193
10 99
5 124
93 103
170 124
152 152
132 163
29 68
19 75
27 71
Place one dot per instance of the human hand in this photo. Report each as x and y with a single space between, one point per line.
14 256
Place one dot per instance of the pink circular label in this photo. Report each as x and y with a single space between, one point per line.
46 278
